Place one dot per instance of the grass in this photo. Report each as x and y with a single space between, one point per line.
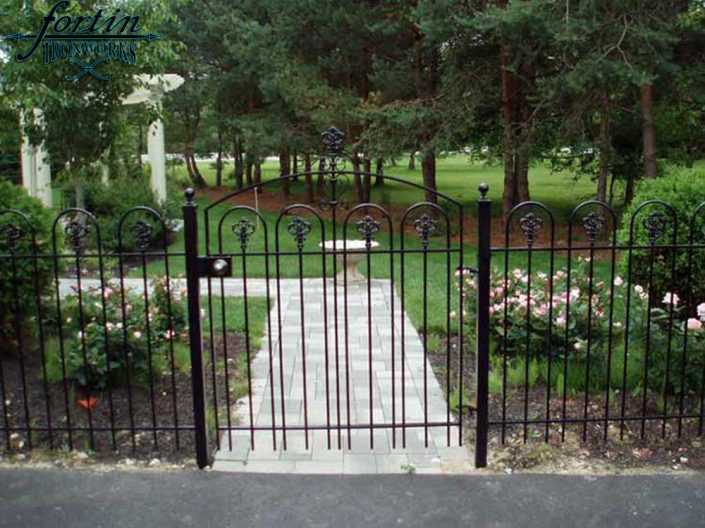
458 176
312 266
234 318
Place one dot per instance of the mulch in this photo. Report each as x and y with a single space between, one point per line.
134 412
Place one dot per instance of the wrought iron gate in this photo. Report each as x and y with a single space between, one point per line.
340 353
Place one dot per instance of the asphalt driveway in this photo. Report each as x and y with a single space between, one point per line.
37 498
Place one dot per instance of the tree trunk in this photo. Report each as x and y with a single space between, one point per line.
629 189
379 171
412 161
509 197
258 171
309 178
612 180
78 191
219 163
649 130
237 154
192 169
522 177
284 160
604 151
321 179
295 166
249 163
367 180
428 168
357 180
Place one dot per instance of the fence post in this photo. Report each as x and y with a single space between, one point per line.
193 287
483 323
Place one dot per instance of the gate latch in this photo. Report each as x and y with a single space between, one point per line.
215 267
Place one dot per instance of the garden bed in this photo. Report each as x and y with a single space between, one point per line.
172 404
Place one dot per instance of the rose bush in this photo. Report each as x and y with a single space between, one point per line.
571 321
105 336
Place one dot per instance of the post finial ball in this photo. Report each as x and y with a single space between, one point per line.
484 188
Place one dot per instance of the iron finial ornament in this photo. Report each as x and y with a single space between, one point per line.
76 233
655 224
367 227
484 189
243 229
299 229
12 234
426 226
333 142
530 225
594 224
142 233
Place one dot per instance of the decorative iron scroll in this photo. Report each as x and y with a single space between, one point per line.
368 228
299 229
76 232
12 233
530 224
243 229
426 226
333 140
142 233
655 225
593 224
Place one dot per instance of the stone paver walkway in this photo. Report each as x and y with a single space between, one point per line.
326 403
326 397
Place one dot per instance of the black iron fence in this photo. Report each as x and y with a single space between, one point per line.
593 331
583 330
94 338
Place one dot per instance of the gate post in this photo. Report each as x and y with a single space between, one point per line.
193 287
483 324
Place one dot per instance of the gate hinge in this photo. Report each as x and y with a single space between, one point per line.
215 267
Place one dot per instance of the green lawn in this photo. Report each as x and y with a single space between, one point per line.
311 265
457 176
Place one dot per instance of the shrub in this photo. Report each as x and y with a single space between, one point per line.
96 324
669 370
109 202
29 274
683 190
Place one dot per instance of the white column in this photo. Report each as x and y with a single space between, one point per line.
36 172
42 167
28 169
104 166
157 159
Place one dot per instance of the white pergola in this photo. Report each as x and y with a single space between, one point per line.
36 173
153 90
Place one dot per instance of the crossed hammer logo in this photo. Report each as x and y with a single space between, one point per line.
88 68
